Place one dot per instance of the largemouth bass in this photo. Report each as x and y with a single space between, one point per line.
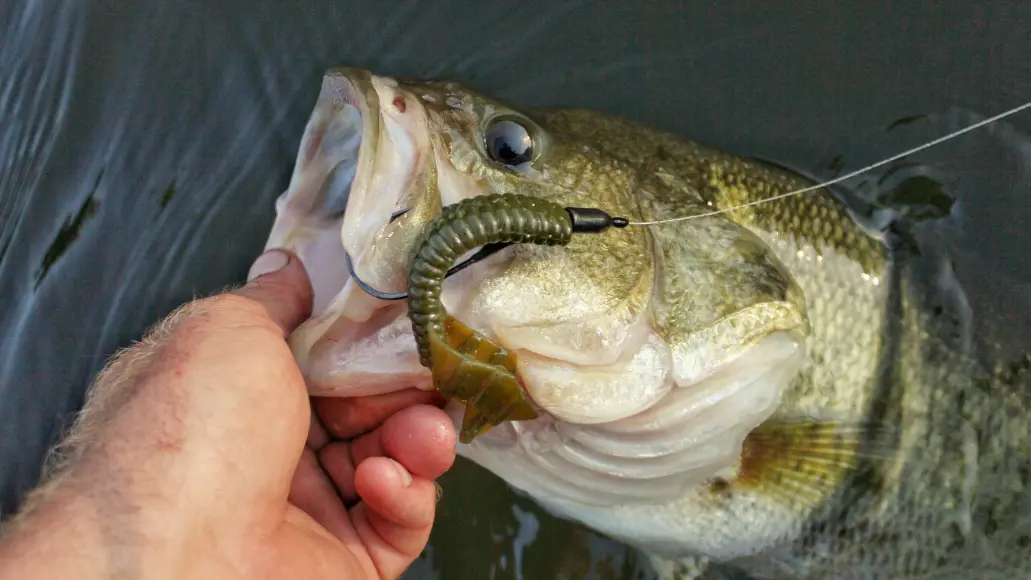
776 388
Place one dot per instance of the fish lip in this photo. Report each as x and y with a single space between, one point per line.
349 127
298 217
355 87
358 126
393 154
390 370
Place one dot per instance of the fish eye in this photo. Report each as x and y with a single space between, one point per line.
509 143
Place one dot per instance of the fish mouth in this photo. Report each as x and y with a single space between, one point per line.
365 145
340 137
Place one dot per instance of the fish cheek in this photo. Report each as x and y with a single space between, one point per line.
720 291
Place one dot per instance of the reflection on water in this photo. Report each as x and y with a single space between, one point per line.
142 145
484 531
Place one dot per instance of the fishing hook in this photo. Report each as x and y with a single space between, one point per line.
585 220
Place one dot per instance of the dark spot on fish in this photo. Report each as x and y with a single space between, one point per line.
984 385
979 435
68 233
1024 541
399 104
905 121
167 196
719 485
991 526
869 477
845 533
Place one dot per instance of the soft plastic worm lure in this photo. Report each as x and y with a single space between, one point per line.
467 366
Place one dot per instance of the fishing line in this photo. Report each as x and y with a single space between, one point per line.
468 366
927 145
594 220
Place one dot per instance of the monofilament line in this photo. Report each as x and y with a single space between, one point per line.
937 141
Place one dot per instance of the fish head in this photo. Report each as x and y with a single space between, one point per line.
649 358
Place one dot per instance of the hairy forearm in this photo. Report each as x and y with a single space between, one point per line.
108 509
67 535
94 532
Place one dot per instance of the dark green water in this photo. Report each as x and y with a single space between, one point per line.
143 143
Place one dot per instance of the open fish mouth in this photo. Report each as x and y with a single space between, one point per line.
363 149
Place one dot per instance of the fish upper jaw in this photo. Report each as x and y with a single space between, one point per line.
365 145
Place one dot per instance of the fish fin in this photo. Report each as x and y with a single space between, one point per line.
807 461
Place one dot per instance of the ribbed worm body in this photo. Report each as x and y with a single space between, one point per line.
466 366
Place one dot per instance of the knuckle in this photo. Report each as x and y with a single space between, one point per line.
297 297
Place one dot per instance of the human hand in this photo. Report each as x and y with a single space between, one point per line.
197 455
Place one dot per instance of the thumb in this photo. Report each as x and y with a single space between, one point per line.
279 282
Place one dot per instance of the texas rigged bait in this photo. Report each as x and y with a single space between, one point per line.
467 366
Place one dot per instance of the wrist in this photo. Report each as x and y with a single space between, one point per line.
59 538
75 534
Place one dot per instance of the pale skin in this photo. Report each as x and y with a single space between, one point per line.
200 455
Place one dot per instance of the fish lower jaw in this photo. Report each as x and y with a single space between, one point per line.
374 356
665 454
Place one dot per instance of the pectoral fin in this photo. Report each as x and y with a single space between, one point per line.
807 461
